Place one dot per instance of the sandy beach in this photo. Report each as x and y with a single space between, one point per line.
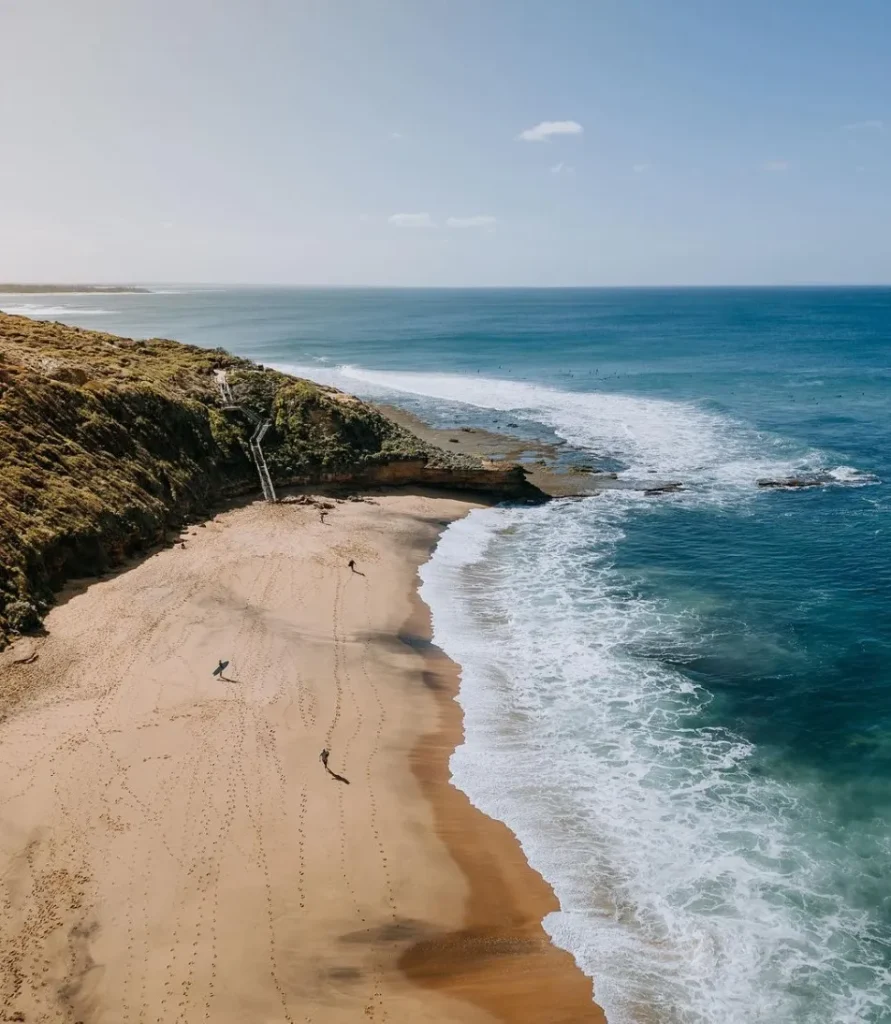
172 848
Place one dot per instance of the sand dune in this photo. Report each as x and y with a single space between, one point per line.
171 847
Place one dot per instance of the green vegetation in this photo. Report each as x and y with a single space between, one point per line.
107 444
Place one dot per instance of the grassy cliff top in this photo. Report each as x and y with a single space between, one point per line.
107 443
75 355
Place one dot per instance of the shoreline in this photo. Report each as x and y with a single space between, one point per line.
501 959
172 847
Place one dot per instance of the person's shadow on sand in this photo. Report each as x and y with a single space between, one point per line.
323 757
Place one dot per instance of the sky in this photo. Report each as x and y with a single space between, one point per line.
446 142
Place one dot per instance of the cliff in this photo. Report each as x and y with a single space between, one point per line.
107 443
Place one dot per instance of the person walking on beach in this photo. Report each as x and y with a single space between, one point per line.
351 564
221 668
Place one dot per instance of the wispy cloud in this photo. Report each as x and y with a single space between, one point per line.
545 129
411 220
776 165
396 135
562 168
484 220
640 168
865 126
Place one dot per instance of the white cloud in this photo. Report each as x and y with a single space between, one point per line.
396 135
545 129
776 165
480 221
411 220
865 126
562 168
640 168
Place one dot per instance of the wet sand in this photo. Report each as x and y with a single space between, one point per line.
171 847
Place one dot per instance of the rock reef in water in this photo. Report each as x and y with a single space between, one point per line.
670 488
107 443
793 482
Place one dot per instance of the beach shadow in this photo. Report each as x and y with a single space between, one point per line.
419 643
403 929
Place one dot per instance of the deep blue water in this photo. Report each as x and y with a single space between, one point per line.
682 705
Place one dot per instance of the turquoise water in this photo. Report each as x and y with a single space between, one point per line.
682 705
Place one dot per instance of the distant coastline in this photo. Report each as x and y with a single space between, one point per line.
70 289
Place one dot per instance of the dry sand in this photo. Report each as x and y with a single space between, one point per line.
171 848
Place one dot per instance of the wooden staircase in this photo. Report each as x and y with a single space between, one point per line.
256 438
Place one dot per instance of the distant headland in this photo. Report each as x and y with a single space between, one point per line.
69 289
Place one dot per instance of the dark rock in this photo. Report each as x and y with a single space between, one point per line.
671 488
792 482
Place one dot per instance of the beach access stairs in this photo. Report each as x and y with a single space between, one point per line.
256 442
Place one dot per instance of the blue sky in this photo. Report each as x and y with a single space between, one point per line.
348 142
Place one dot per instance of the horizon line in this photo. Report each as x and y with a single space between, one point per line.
435 287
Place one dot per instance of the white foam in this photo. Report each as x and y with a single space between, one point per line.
851 476
37 311
650 436
694 890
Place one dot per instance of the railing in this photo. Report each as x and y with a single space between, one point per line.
256 438
260 460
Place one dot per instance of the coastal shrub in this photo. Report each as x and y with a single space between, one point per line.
22 616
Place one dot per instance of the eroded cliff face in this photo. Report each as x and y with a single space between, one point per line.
106 444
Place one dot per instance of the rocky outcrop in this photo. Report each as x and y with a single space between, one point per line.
794 482
670 488
507 482
107 443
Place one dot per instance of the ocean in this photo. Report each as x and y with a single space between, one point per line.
680 704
